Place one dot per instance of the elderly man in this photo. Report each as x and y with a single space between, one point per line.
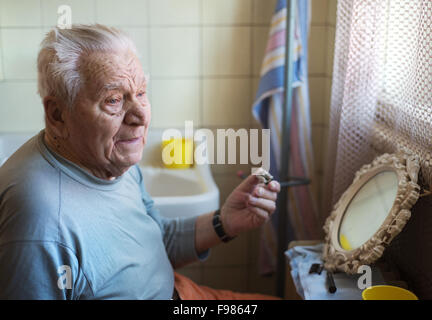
76 221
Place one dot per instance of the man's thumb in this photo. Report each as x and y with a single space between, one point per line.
249 183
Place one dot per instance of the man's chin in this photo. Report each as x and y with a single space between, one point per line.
130 159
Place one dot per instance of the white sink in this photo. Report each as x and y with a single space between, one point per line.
176 192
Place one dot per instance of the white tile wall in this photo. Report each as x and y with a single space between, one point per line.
331 13
20 52
317 90
227 51
331 33
226 102
327 102
175 12
260 36
319 11
23 13
1 63
21 107
263 11
174 52
122 13
174 101
318 146
227 12
318 49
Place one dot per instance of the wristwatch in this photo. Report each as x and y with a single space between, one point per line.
217 225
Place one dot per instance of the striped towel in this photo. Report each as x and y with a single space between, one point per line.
268 110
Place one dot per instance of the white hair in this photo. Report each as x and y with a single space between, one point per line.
60 53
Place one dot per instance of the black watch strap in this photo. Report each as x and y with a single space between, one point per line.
217 225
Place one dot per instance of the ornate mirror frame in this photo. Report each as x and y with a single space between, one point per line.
338 259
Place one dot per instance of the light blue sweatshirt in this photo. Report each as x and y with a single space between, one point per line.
66 234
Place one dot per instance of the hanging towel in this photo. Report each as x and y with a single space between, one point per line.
268 108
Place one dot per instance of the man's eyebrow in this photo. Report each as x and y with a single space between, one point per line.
120 85
112 86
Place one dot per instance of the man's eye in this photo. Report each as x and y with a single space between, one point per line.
140 94
113 101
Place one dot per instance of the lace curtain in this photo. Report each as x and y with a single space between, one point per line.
382 88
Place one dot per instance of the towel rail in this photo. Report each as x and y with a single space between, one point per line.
285 154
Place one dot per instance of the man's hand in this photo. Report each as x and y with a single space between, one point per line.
249 205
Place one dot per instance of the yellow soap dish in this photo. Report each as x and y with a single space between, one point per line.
177 153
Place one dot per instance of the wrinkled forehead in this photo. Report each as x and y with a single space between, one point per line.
107 71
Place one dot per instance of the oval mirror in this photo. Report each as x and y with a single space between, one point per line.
368 209
371 212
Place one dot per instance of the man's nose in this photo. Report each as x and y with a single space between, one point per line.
137 113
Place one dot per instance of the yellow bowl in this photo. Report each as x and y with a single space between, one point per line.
177 153
384 292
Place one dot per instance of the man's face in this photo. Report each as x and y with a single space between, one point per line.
109 123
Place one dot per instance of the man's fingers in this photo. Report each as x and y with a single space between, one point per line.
262 192
274 186
265 204
251 182
248 184
262 214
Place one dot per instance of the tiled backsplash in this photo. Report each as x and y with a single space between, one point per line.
201 54
204 59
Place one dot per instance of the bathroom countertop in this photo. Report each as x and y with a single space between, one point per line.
314 286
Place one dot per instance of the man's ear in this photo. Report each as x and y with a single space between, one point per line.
55 115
